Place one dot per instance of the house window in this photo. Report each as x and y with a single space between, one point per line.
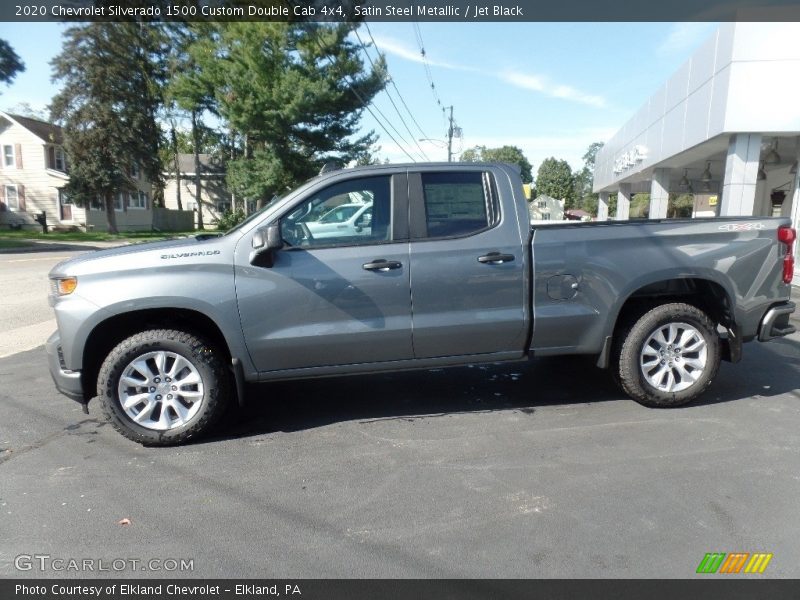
60 163
12 197
98 203
137 200
545 216
119 201
542 203
135 170
9 160
221 206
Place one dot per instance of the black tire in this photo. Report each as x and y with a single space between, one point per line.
638 375
214 390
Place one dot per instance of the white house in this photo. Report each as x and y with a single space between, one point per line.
545 208
33 170
215 198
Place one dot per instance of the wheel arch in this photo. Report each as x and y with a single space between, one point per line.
705 293
110 332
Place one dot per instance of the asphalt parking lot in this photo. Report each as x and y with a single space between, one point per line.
539 469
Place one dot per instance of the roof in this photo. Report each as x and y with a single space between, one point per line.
47 132
208 164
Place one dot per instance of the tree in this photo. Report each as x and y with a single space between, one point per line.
190 90
293 92
10 63
107 106
584 181
555 179
505 154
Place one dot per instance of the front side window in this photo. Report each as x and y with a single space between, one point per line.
352 212
457 203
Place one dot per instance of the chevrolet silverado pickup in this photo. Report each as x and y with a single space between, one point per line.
449 271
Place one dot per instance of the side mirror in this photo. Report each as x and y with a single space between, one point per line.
265 240
268 238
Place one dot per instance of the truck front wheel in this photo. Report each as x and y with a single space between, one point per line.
162 387
669 356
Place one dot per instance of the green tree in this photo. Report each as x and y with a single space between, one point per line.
584 180
10 63
555 179
190 91
107 106
506 154
293 92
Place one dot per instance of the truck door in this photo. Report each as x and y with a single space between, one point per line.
335 300
467 267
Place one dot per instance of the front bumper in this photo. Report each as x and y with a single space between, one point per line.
67 382
775 322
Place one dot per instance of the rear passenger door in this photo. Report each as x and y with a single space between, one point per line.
466 265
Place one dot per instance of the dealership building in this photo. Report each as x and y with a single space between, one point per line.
720 138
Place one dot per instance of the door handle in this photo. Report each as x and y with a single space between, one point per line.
495 258
382 265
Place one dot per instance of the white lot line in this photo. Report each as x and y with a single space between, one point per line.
26 337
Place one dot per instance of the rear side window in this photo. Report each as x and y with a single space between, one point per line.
458 203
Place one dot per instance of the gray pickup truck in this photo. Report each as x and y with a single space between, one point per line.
428 266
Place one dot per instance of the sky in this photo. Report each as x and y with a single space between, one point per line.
550 89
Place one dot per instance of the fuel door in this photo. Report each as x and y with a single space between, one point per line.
562 287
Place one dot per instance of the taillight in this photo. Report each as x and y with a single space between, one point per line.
787 235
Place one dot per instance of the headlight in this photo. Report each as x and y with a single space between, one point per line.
63 286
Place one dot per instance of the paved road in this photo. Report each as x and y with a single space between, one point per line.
533 470
26 319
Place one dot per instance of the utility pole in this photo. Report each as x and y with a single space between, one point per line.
450 135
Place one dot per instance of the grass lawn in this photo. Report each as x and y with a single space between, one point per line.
9 236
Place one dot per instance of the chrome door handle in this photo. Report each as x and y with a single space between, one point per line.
382 265
495 258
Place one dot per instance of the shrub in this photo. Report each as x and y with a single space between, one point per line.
230 219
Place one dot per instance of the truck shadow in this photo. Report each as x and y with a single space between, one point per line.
768 370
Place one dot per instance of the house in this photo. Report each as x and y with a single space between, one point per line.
33 170
214 194
545 208
577 214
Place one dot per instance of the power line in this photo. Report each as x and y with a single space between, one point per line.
421 44
369 110
397 110
391 80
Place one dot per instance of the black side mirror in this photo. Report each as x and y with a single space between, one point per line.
265 240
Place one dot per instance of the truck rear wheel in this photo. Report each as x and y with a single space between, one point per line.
669 356
162 387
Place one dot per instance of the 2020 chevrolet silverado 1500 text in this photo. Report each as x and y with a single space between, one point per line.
448 271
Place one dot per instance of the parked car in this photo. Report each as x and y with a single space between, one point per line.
450 272
346 220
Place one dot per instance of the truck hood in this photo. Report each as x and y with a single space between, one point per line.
131 256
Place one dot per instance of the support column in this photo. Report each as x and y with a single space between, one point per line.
602 206
624 202
741 175
659 194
